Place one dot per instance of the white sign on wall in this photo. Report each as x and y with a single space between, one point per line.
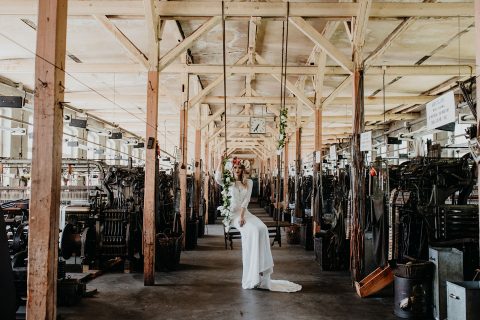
333 152
366 141
441 111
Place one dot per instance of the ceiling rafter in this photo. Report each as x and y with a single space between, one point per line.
174 53
290 86
196 9
27 65
123 40
212 85
322 42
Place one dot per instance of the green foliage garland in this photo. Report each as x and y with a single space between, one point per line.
227 183
283 126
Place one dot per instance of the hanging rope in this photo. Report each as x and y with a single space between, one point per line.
224 76
284 60
283 92
282 68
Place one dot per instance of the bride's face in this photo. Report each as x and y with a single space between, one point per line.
237 170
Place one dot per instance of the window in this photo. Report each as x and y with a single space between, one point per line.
69 134
30 137
92 145
110 152
136 155
125 153
5 136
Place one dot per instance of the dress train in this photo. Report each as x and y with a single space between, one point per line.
257 257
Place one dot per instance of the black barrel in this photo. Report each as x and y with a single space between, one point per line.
191 235
201 226
413 287
306 234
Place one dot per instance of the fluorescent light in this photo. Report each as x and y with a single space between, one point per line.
15 131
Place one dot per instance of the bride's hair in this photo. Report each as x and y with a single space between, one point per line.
243 176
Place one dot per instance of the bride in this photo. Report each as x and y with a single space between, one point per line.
256 255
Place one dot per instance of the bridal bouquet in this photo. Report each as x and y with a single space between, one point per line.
227 182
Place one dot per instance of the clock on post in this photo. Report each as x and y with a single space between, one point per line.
258 125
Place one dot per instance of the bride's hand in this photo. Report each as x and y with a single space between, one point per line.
242 221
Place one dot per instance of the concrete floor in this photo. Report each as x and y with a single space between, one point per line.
208 286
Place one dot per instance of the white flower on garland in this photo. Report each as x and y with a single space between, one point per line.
227 182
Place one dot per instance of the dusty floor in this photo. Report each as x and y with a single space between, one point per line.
208 286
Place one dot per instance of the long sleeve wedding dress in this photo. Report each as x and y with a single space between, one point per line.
256 254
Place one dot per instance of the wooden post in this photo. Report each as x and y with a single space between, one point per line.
150 181
46 161
183 173
298 167
477 28
272 181
184 151
357 178
207 176
317 168
198 150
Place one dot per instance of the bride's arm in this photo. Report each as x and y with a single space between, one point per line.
245 202
219 172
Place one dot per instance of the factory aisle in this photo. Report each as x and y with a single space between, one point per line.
208 286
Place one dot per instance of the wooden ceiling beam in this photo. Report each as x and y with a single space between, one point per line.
123 40
360 29
153 33
346 119
290 86
310 32
309 9
271 101
196 9
27 66
212 85
174 53
333 95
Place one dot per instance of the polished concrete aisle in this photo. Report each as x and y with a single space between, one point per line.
208 286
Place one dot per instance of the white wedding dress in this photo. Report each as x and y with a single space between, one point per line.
256 255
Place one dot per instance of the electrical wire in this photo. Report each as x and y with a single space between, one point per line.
79 81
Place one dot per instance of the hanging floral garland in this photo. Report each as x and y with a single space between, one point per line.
227 183
283 127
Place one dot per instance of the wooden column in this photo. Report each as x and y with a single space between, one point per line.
183 173
150 181
317 168
357 178
207 175
285 174
183 161
47 160
318 129
477 28
298 166
272 181
198 150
